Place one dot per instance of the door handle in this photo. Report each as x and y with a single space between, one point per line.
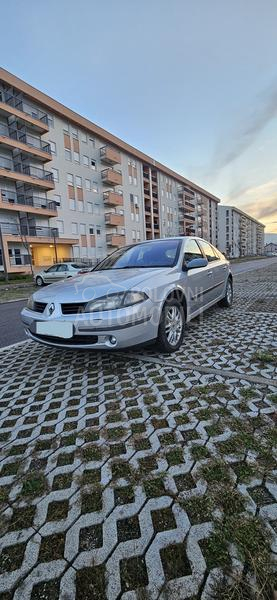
210 273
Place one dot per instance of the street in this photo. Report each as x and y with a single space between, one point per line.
11 329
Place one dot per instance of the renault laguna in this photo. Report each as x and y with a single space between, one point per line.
138 294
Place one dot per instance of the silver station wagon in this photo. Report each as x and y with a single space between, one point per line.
140 293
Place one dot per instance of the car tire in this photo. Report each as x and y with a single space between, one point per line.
227 301
39 281
172 326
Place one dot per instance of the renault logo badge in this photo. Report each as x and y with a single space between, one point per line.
51 308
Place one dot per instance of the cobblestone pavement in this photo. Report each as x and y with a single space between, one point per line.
137 475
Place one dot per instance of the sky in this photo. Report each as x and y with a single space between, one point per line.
192 84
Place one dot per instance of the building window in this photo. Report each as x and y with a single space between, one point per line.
55 174
82 229
91 230
80 206
90 207
92 141
95 187
138 236
76 156
84 136
88 184
57 199
78 181
70 179
133 235
98 230
86 160
74 228
53 147
60 225
67 154
97 209
74 132
72 204
66 127
93 164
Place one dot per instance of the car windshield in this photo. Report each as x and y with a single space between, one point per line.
163 253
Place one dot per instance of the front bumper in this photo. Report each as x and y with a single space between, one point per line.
118 329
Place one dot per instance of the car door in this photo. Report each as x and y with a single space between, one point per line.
195 281
216 272
62 272
49 276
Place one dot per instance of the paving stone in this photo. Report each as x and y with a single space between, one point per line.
101 453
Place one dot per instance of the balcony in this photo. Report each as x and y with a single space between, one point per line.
114 219
110 155
115 239
189 217
25 142
111 177
112 198
26 173
27 203
25 112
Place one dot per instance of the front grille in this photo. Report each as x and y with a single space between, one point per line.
39 306
73 308
76 339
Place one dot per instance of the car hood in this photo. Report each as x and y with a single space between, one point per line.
99 283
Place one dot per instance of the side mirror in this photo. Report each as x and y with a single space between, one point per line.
195 263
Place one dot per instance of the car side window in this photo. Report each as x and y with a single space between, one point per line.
209 251
62 268
192 250
52 269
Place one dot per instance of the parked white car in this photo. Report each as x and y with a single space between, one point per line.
58 272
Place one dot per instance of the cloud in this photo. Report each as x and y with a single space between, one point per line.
235 143
259 201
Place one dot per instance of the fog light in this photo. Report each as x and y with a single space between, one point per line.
112 340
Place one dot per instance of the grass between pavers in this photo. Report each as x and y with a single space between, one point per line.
221 503
16 293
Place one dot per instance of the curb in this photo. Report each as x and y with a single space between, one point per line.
16 300
14 345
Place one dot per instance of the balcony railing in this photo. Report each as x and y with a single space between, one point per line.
24 200
111 176
115 239
37 172
27 230
25 138
110 155
114 219
25 107
112 198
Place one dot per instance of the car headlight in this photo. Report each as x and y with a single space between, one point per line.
30 303
114 301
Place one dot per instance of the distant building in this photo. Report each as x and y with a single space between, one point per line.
239 234
270 248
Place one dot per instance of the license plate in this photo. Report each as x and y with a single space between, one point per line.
61 329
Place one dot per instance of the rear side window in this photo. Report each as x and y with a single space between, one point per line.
209 251
77 266
52 269
62 268
192 251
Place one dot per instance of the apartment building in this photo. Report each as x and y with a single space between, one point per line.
71 190
239 234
